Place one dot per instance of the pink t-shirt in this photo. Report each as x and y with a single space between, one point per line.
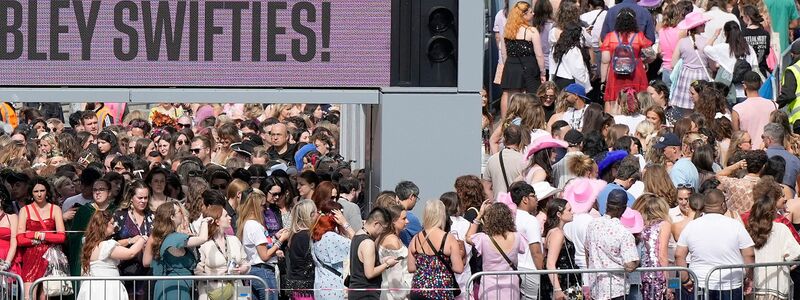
668 41
753 116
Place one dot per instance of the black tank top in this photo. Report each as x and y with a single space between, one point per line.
358 280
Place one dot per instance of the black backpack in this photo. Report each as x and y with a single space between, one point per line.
740 68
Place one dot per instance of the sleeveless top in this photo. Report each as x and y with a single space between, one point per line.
519 48
359 280
654 283
431 273
566 260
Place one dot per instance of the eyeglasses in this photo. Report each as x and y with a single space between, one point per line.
197 150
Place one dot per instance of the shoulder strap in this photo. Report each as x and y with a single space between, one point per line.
439 254
329 268
597 16
503 253
694 47
36 211
502 165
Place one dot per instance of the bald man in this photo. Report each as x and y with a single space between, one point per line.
281 149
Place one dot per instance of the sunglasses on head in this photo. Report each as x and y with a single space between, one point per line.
685 186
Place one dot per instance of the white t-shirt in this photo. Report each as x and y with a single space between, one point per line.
499 28
715 240
575 231
598 17
460 227
528 226
721 53
630 121
253 234
72 201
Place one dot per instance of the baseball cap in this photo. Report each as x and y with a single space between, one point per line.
666 140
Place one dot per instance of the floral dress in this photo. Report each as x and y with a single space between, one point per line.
331 250
654 284
127 228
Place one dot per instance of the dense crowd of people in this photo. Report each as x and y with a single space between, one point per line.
629 135
644 134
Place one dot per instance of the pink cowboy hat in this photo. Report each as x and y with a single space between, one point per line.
692 20
581 193
632 220
544 143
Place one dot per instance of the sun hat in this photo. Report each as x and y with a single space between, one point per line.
544 190
692 20
632 220
577 90
650 3
581 193
544 143
610 159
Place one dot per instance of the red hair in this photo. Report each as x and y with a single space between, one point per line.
324 224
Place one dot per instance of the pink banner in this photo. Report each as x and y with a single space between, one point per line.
336 43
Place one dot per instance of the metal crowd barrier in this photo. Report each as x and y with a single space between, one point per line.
502 291
11 286
770 281
109 288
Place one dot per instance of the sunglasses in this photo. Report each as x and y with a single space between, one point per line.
196 150
180 142
685 186
184 125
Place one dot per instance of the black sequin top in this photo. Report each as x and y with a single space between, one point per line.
519 48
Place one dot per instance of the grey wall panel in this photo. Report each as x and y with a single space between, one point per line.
427 138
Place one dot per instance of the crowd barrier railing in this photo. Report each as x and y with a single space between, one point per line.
769 281
11 286
174 287
532 282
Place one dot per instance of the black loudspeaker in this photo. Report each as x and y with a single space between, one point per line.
424 43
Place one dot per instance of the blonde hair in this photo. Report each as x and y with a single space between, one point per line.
253 110
581 165
251 208
136 114
652 207
516 19
51 140
301 216
434 214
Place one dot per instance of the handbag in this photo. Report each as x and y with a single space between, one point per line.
222 293
55 268
574 292
440 255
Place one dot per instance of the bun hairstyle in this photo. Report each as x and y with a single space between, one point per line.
581 165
